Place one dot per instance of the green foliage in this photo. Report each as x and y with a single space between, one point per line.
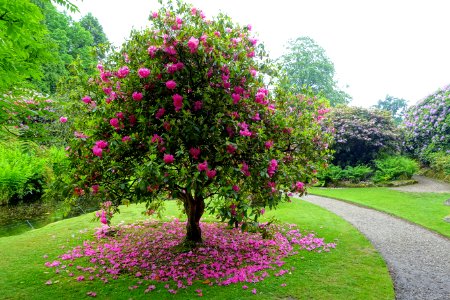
394 167
306 64
203 92
22 44
21 173
439 163
92 25
361 135
396 106
68 41
333 175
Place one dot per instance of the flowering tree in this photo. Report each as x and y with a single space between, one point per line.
427 124
362 134
182 111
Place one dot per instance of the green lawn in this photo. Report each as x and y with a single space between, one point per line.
354 270
426 209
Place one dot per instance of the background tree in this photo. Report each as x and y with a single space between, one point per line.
396 106
307 64
91 24
362 135
182 111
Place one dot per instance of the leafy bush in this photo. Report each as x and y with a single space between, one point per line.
358 173
361 135
427 125
394 167
335 174
21 174
439 163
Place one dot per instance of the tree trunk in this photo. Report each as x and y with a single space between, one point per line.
194 209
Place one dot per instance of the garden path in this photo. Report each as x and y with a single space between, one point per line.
418 259
424 185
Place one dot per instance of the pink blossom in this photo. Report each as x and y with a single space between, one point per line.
262 211
251 54
160 113
256 117
236 98
254 291
268 144
195 152
154 15
171 84
80 278
63 119
211 174
170 50
91 294
253 72
137 96
103 220
244 287
202 166
126 139
157 139
97 151
299 186
123 72
193 44
177 102
152 51
95 188
114 122
198 105
249 27
236 188
101 144
86 99
217 33
231 149
168 158
143 72
272 167
244 169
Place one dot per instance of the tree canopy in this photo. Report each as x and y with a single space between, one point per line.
307 65
182 111
396 106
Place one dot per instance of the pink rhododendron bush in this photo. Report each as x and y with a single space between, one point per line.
190 109
145 252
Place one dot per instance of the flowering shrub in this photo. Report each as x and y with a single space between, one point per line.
182 111
145 251
427 125
362 134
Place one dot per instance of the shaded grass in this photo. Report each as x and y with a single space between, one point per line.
426 209
354 270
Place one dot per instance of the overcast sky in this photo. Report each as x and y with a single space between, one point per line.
395 47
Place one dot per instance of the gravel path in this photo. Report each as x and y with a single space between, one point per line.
419 260
425 184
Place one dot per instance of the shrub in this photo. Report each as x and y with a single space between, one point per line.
394 167
439 165
361 135
357 173
335 174
427 125
182 111
21 174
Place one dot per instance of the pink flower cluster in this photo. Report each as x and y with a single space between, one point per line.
272 167
146 250
98 148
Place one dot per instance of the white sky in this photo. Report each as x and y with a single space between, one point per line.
378 47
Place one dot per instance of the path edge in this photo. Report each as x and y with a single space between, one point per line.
381 211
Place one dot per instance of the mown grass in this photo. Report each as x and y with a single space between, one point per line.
426 209
354 270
